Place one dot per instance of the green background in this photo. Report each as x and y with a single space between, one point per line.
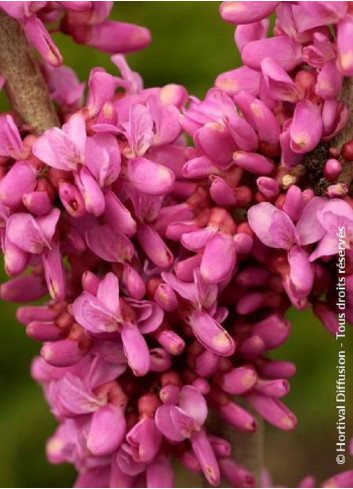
190 45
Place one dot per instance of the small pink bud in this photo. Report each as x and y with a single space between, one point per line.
273 411
64 353
275 369
165 297
44 331
332 169
72 199
37 203
27 314
170 341
237 476
238 380
160 360
19 180
206 364
169 394
273 388
221 447
347 151
253 162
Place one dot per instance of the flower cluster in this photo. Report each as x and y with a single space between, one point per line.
170 266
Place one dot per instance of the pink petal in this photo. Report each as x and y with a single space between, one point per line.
185 289
136 349
246 12
107 430
54 273
218 259
139 129
75 396
301 272
237 80
10 139
24 231
108 244
102 88
329 81
166 120
145 439
160 473
154 246
118 215
280 85
205 455
150 177
18 181
259 116
344 45
90 313
38 35
75 129
282 49
165 424
92 194
193 403
273 411
57 150
328 246
306 128
197 240
108 293
112 37
215 141
272 226
250 32
309 228
211 334
320 13
253 162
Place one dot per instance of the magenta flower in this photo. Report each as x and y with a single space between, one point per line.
185 421
276 230
173 233
63 149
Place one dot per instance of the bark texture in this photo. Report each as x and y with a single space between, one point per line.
25 86
347 133
247 448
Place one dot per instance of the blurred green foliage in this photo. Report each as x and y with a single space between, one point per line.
191 45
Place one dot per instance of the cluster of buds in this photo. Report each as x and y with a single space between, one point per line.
170 267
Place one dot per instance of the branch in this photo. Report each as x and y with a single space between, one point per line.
346 134
248 448
310 173
25 86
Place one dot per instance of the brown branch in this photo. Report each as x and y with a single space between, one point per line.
25 86
247 448
346 96
310 173
346 134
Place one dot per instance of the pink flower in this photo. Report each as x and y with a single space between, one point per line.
185 421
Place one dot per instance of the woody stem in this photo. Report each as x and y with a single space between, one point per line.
25 86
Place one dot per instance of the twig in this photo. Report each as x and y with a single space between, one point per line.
25 86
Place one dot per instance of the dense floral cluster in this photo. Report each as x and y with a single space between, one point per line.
170 266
